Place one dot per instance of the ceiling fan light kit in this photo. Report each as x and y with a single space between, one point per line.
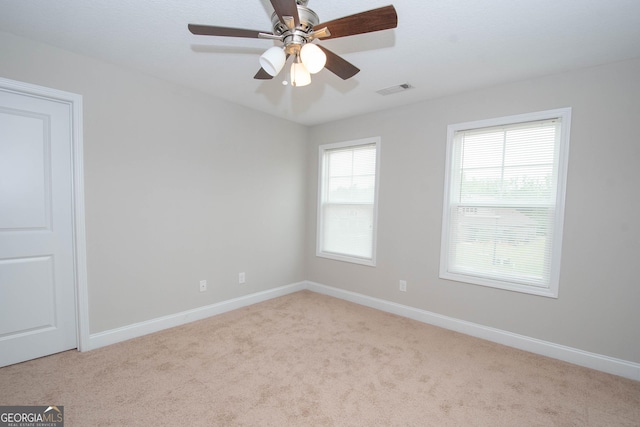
294 26
313 58
299 75
273 60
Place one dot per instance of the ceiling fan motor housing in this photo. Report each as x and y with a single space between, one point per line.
295 38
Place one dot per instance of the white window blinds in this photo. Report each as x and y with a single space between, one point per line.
347 202
503 215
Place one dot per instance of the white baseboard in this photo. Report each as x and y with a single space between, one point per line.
599 362
136 330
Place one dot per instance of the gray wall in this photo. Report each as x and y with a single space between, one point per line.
182 187
179 187
599 295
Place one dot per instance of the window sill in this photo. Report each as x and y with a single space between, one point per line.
548 292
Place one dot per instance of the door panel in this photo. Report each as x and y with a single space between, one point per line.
23 171
28 284
37 274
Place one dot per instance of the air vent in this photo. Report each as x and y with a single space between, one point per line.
395 89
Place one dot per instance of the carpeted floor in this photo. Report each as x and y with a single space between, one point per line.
306 359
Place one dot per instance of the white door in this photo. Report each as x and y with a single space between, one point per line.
37 274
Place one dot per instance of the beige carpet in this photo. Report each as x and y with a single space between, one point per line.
307 359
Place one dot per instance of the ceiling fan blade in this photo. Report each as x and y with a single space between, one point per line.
286 8
262 75
383 18
210 30
339 66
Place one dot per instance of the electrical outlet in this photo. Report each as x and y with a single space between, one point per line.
203 285
241 278
403 286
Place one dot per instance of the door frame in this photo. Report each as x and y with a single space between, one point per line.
74 101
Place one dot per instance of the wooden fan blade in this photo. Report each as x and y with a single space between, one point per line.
286 8
339 66
383 18
262 75
210 30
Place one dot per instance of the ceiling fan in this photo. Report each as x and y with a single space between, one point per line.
296 27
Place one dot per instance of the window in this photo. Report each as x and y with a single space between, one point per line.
504 201
347 200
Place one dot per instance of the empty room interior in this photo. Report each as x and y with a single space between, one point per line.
425 230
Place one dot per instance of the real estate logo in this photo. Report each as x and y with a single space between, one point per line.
32 416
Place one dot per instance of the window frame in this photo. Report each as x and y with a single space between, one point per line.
564 114
320 252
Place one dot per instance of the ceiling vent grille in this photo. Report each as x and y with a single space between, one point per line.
395 89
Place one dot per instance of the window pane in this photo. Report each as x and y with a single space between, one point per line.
340 163
533 183
483 150
347 229
501 243
364 161
520 150
480 185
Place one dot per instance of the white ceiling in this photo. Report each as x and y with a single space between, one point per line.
440 47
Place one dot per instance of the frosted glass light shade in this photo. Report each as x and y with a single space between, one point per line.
273 60
313 57
299 75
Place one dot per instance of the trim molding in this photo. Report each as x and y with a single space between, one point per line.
575 356
579 357
136 330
